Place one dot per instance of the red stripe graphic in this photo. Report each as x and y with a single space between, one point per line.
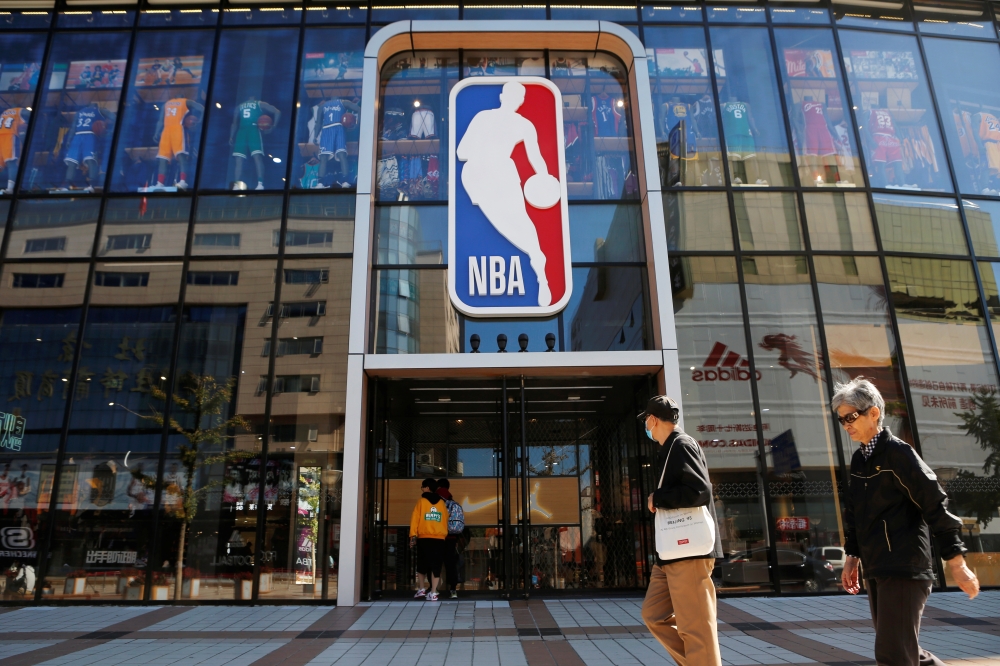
717 351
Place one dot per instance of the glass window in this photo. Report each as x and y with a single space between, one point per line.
814 94
72 220
336 15
326 132
802 455
624 13
697 221
687 127
140 282
869 14
242 16
20 65
390 13
968 18
737 15
4 212
799 15
71 142
108 18
768 221
509 63
718 408
234 225
247 142
409 235
26 20
608 310
970 103
606 233
165 107
504 13
984 226
596 112
915 224
413 312
839 221
141 227
671 14
751 114
412 148
893 109
176 18
320 224
489 331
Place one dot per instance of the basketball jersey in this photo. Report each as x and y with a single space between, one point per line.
85 118
606 117
735 119
989 127
333 111
676 112
10 121
815 118
705 117
249 112
174 112
880 122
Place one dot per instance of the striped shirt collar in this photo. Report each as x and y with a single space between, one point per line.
867 449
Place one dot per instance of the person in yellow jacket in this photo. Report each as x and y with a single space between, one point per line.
428 530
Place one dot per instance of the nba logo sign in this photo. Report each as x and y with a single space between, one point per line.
508 222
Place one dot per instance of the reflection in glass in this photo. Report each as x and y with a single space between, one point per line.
799 15
624 14
970 19
26 20
20 65
110 18
886 16
814 94
697 221
135 227
53 228
893 109
839 221
737 15
175 18
767 221
687 129
755 138
970 105
412 235
606 233
247 142
984 226
489 329
507 63
337 15
165 107
75 123
326 130
670 14
608 310
915 224
414 312
242 16
234 225
802 459
503 13
323 223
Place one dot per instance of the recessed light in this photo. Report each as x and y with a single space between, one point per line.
444 399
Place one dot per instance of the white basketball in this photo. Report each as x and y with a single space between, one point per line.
542 190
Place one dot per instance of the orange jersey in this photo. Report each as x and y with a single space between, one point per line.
11 121
174 112
989 127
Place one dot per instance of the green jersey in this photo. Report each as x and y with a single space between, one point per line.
736 119
248 113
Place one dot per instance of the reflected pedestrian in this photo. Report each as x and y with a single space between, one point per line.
892 507
428 530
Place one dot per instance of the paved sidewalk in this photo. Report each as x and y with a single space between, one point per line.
828 630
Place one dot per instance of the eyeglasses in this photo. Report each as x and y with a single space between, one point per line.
851 418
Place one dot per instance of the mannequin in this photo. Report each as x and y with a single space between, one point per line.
246 140
331 140
81 144
741 130
13 125
171 135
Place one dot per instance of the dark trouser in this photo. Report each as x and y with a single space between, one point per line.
897 604
451 562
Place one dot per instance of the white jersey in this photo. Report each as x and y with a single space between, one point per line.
423 124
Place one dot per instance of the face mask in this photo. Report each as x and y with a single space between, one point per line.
649 433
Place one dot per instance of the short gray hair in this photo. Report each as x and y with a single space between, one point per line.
860 394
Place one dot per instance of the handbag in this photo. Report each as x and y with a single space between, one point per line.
688 532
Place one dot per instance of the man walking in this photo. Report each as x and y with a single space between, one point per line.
680 608
456 525
893 505
428 529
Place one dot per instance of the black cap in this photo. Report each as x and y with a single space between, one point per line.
662 407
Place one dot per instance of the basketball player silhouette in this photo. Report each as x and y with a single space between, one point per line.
491 179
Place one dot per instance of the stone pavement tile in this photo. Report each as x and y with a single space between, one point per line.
146 652
297 652
79 619
550 653
243 618
13 648
987 604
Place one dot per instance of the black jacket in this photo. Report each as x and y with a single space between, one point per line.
685 484
893 504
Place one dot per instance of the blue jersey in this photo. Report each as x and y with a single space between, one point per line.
85 118
333 111
606 116
676 112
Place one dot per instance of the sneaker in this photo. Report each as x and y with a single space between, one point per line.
260 186
89 189
182 185
433 596
420 594
737 181
453 594
320 186
61 189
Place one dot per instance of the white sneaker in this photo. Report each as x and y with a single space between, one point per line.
61 189
761 181
260 186
421 593
433 596
737 181
319 186
182 185
89 189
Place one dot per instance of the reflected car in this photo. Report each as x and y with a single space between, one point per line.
835 555
751 568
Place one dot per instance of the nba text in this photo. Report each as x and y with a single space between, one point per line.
489 275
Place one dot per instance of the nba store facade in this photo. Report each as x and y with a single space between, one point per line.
264 267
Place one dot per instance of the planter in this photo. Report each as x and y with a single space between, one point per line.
75 586
123 583
190 588
243 589
266 582
133 593
160 593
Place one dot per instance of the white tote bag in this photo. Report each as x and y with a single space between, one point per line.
683 532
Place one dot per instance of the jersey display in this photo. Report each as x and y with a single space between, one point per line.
675 114
11 126
605 116
248 140
736 124
887 146
818 140
989 133
331 138
83 147
423 125
172 138
963 125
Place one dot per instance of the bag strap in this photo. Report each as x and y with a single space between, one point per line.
665 463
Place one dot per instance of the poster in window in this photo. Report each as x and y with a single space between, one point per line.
169 71
682 62
22 77
891 65
306 524
89 74
810 63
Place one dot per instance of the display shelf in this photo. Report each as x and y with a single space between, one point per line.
142 152
880 85
17 98
579 189
105 96
612 144
682 87
309 150
907 115
411 89
409 147
154 94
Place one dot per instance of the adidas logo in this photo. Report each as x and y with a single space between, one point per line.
723 365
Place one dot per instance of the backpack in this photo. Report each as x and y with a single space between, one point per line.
456 517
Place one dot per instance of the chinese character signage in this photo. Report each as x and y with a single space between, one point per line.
11 431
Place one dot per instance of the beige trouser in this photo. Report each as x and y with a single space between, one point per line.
680 611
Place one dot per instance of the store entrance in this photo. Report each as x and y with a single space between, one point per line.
551 474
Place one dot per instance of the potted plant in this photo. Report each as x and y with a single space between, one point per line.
191 584
76 582
244 585
133 591
266 579
125 578
161 589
